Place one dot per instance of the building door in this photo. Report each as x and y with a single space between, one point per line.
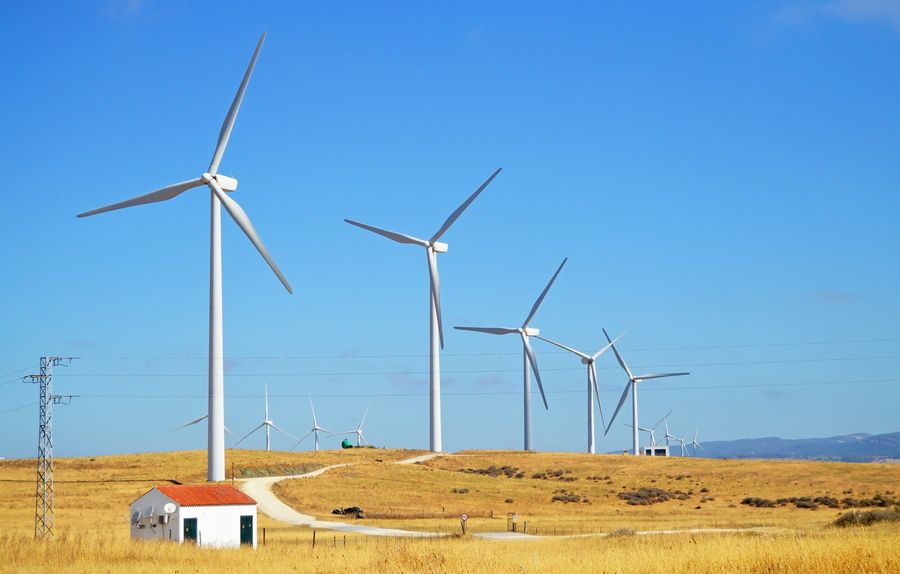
247 530
190 529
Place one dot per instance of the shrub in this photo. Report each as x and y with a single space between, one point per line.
867 518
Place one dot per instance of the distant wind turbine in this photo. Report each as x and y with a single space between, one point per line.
632 385
268 424
525 331
592 387
219 185
432 248
316 429
695 443
358 431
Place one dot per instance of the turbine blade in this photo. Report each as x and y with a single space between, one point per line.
398 237
282 431
537 375
249 433
228 124
491 330
606 348
239 216
658 376
455 215
302 439
266 391
661 420
365 414
313 409
161 194
435 281
231 434
561 346
593 373
618 356
619 406
193 422
543 294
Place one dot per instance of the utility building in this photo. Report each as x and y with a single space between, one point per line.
211 515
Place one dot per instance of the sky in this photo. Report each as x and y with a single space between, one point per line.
721 176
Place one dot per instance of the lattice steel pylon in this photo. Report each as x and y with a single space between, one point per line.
43 496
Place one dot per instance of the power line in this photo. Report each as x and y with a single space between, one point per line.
516 392
18 408
485 371
352 355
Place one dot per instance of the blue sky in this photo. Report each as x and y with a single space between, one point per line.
722 177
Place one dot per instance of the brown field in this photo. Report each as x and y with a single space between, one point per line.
93 494
428 501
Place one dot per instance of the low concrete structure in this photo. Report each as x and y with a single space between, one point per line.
209 515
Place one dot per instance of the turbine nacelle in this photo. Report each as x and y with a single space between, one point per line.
530 331
226 183
439 247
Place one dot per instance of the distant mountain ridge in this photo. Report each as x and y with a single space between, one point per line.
860 447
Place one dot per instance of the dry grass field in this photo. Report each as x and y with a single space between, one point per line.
436 492
93 496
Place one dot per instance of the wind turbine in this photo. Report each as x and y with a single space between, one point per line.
592 388
632 385
358 431
695 443
316 429
668 434
681 440
432 248
219 185
268 423
527 353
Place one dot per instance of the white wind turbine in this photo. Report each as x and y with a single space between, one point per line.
218 185
432 248
527 353
651 432
316 429
632 385
360 439
668 434
592 387
268 423
695 443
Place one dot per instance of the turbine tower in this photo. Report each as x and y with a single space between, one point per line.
632 385
432 248
219 186
268 423
527 353
592 387
316 429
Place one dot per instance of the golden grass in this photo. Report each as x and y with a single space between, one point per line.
828 551
93 495
421 496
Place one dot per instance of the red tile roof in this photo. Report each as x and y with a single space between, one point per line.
204 494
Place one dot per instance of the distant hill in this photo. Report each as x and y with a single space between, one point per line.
860 447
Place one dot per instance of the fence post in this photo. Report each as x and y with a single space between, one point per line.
314 539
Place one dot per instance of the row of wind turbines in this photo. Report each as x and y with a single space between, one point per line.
221 186
651 434
268 424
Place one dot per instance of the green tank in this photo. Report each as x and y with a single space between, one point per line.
346 443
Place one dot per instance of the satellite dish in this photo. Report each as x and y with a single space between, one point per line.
148 511
135 516
169 508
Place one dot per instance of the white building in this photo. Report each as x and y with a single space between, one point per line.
213 515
